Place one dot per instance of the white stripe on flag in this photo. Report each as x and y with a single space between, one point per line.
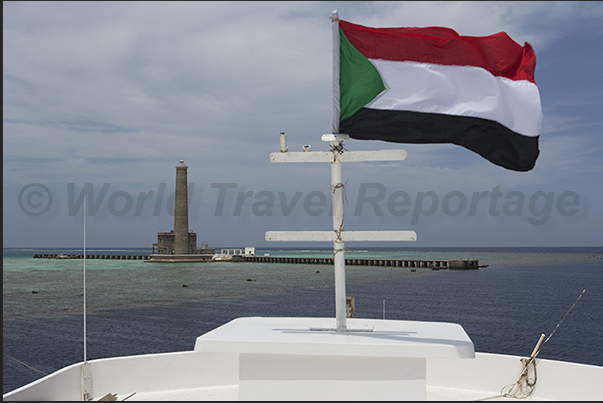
459 90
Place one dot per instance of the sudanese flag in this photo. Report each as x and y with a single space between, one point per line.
431 85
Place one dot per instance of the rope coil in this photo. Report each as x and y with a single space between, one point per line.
524 386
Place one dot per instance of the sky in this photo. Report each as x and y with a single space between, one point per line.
105 98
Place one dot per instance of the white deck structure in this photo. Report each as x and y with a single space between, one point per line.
284 357
265 358
228 254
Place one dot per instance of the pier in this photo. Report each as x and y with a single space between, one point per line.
88 256
457 264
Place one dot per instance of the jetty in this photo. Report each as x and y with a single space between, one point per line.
455 264
88 256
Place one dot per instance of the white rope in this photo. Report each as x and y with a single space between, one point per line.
337 150
340 229
524 386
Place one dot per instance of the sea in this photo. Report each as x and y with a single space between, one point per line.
137 307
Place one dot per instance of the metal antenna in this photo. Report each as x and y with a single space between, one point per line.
86 374
85 213
524 386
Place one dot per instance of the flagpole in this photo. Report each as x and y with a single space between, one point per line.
336 156
337 190
336 147
335 25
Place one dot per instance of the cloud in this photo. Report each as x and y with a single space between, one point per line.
118 92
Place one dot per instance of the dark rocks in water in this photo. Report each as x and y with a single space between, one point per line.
184 285
463 264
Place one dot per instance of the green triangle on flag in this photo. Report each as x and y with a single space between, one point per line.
359 80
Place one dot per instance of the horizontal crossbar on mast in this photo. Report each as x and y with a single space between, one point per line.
348 156
346 236
336 155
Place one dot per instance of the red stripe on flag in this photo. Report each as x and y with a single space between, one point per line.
498 53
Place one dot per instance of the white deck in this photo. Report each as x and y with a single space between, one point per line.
231 393
216 375
481 378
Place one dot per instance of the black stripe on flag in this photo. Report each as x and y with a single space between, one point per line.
488 138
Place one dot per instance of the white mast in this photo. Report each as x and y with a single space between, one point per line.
338 236
336 112
335 157
336 147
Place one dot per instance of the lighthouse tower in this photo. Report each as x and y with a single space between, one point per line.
180 245
181 241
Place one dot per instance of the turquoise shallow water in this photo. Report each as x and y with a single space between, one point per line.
137 307
54 287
